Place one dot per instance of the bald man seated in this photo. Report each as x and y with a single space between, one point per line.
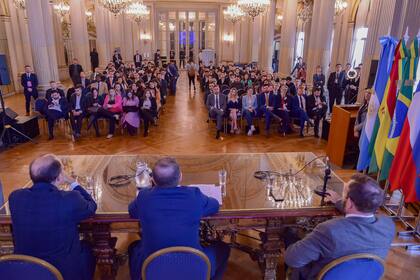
45 220
170 215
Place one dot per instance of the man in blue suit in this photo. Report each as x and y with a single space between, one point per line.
360 231
298 109
29 82
170 215
45 220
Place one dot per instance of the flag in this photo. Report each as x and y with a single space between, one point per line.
386 111
404 97
405 169
384 68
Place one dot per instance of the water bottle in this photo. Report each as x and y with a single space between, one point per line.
143 178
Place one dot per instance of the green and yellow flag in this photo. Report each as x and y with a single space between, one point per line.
386 110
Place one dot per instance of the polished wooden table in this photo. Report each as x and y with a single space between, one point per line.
246 206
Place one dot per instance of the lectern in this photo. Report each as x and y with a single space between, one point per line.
341 140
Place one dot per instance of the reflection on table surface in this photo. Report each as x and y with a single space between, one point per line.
243 190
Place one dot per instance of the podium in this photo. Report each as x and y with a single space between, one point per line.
341 140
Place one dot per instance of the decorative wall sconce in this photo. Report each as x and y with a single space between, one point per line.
228 38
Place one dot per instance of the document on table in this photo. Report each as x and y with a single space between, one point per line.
210 190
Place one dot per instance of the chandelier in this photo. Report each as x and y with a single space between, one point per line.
138 11
20 4
233 13
253 7
62 8
305 10
340 6
116 6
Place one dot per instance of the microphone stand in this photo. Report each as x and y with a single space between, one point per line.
327 175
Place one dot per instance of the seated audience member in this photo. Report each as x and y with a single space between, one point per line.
45 219
53 87
186 205
299 109
96 111
78 110
154 91
360 231
249 109
163 88
233 107
57 108
148 110
216 105
362 114
84 82
317 108
131 119
100 85
291 86
113 102
119 90
278 109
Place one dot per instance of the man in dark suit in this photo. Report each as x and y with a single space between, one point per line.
335 86
216 104
94 59
29 82
78 110
173 76
117 59
74 71
291 86
57 108
262 101
53 87
317 108
360 231
299 109
84 82
157 57
45 220
170 215
137 59
319 79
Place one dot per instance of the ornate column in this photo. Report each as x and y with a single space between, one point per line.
23 30
79 37
42 41
319 51
340 44
102 36
267 39
256 38
288 37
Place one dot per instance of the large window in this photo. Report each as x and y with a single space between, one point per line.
359 46
300 44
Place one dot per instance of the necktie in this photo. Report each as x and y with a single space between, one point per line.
217 102
266 99
300 102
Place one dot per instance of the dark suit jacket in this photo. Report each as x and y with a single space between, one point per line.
49 91
84 103
331 85
94 59
34 81
310 102
319 80
63 104
87 83
169 217
153 108
295 108
75 68
140 58
340 237
211 101
45 225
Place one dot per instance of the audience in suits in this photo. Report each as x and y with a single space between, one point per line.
335 86
277 108
96 111
359 231
53 87
317 108
29 82
249 109
84 82
45 219
57 108
318 79
137 59
78 110
186 205
299 109
216 105
74 71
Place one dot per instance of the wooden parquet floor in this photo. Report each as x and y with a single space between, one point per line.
182 129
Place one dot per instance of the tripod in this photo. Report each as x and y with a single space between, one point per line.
7 127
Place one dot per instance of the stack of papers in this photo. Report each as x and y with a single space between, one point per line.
210 190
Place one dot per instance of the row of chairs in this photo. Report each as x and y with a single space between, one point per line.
184 263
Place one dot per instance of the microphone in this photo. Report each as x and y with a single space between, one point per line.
327 175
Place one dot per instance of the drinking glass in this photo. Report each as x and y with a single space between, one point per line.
222 181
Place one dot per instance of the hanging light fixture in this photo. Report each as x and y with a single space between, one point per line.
62 8
138 11
20 4
340 6
233 13
304 10
115 6
253 7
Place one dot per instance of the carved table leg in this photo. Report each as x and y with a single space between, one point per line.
105 252
6 240
271 245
